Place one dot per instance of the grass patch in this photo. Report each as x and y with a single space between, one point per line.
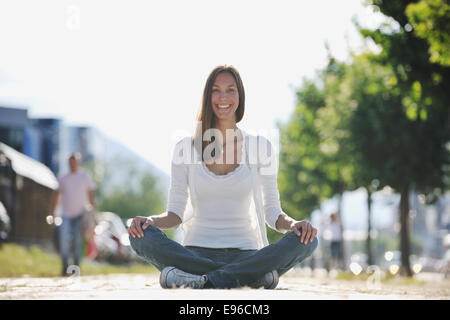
386 278
19 261
350 276
400 280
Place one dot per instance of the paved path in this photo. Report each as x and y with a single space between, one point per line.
140 286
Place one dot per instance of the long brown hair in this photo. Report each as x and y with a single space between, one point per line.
206 118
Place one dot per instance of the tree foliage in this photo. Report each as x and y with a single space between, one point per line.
381 119
430 20
316 158
417 156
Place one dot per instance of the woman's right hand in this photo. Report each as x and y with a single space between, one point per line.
135 229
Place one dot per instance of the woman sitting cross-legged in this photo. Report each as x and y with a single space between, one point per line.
224 173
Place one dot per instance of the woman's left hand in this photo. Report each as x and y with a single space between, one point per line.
308 231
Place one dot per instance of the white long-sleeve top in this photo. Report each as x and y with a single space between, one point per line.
227 211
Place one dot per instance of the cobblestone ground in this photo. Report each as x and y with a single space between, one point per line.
293 285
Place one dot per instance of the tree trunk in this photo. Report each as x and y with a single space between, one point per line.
369 228
339 206
405 269
312 262
339 213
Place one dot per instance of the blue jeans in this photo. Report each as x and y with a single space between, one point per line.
225 268
70 236
336 252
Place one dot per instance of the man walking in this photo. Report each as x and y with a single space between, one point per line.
336 243
77 193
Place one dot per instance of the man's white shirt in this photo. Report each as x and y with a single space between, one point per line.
74 189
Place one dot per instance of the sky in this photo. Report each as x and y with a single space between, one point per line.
135 70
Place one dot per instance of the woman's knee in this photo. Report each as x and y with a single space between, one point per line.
313 245
309 247
149 238
135 243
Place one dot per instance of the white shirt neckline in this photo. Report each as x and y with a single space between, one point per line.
229 174
221 176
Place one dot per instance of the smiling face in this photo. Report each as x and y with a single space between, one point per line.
223 104
225 97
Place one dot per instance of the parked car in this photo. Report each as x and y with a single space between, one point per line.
5 224
111 238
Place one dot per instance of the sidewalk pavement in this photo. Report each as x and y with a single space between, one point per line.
292 286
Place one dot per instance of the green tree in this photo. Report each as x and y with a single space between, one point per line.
411 127
300 173
316 162
360 86
371 125
430 20
348 87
